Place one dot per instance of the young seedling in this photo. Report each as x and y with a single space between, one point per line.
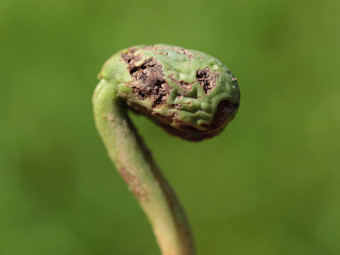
188 93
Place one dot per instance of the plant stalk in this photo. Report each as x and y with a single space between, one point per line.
135 164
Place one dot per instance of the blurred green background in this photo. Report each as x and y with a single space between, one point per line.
270 184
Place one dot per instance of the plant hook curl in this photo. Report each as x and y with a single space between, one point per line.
188 93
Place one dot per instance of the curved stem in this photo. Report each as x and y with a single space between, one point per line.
135 164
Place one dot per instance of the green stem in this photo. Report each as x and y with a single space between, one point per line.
135 164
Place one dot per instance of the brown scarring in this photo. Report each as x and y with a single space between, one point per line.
207 79
183 51
148 78
225 110
182 84
133 184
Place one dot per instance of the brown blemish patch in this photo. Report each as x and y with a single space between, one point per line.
155 49
188 53
179 95
184 130
111 117
148 78
183 51
134 184
128 177
149 47
163 119
226 110
187 128
182 84
207 79
129 56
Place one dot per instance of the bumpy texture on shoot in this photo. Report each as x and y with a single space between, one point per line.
189 93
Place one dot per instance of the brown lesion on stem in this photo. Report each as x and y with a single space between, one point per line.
134 184
207 79
148 78
143 192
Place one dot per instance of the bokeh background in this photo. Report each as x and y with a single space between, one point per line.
270 184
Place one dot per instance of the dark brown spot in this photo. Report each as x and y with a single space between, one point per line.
187 128
130 57
148 78
182 84
225 112
207 79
